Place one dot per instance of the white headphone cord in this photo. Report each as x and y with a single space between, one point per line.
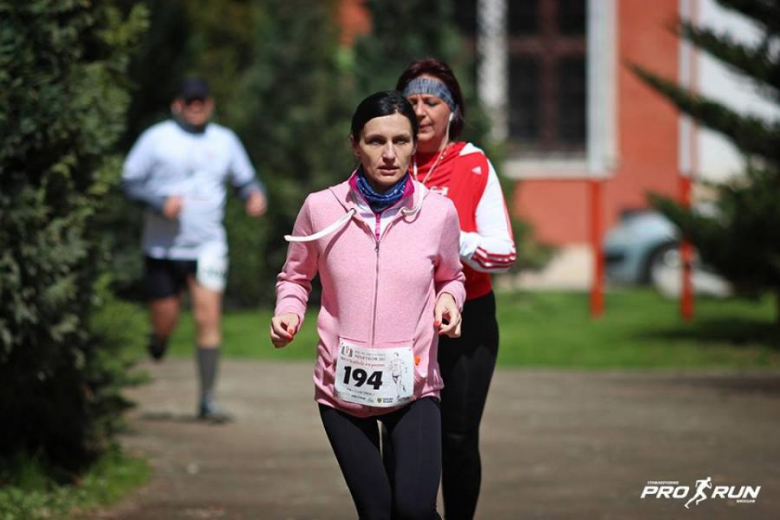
441 154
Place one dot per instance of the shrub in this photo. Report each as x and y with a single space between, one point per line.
62 107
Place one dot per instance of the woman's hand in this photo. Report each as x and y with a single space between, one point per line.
446 316
283 329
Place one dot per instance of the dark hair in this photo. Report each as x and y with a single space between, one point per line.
382 104
441 71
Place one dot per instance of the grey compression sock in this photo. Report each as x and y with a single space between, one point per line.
208 363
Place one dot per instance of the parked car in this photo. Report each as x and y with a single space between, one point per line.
643 248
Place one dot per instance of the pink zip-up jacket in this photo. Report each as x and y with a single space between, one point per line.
379 282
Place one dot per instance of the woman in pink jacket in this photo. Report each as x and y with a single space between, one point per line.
386 251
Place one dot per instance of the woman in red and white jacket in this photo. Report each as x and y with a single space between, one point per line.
386 251
461 172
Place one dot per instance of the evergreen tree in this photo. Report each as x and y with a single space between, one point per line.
62 66
741 239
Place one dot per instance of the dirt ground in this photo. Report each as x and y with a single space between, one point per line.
555 444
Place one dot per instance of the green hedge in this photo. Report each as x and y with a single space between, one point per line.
62 106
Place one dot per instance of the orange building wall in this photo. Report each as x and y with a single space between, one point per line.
354 20
647 134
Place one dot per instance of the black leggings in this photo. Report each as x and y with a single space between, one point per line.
467 365
409 491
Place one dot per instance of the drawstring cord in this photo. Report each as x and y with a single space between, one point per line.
323 232
346 218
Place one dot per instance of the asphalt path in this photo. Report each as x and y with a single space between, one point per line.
555 445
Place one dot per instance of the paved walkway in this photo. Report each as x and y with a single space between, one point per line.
556 444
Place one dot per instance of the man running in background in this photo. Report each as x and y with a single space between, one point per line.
179 169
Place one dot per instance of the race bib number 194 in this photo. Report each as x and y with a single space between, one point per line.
374 377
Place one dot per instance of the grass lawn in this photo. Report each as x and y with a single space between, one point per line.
29 494
553 329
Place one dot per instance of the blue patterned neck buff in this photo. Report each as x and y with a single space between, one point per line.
432 87
380 201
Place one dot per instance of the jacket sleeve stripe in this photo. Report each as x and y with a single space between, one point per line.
494 256
486 264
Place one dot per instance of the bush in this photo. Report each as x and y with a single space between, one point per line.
62 66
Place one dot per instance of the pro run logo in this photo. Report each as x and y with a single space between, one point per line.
703 490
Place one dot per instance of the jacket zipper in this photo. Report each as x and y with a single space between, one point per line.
377 239
376 295
377 227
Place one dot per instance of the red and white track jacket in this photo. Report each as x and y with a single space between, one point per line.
464 175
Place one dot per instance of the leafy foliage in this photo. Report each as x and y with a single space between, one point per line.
751 134
292 108
741 237
402 32
62 109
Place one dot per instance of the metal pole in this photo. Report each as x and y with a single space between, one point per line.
686 258
689 163
597 286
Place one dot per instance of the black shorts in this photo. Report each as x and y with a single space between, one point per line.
164 278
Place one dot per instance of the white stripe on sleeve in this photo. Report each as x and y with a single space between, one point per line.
491 248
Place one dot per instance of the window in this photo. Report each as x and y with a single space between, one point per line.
523 18
465 17
524 107
547 97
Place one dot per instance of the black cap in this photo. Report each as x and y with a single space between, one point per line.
193 88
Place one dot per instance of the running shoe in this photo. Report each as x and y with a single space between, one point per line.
157 347
210 411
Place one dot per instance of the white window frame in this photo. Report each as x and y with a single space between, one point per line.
600 157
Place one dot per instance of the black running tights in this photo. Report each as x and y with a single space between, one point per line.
467 365
409 493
